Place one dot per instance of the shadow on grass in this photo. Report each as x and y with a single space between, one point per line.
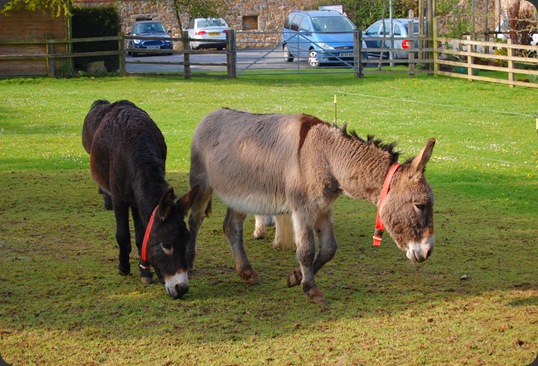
60 268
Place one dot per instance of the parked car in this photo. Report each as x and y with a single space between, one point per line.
319 36
402 37
149 28
211 33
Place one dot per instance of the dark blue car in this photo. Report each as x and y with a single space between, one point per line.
149 28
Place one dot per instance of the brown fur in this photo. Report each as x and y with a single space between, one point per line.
272 164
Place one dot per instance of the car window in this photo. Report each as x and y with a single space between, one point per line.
215 23
373 30
332 24
415 27
295 22
397 30
287 22
158 27
305 25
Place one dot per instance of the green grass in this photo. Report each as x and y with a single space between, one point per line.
62 302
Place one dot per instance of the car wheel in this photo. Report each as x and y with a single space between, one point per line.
288 57
313 58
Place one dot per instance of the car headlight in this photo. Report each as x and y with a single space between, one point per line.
325 46
137 41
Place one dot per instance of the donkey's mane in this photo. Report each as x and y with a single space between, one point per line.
371 140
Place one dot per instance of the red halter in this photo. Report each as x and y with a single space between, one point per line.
144 254
379 226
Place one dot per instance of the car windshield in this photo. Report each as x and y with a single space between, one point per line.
206 23
150 28
332 24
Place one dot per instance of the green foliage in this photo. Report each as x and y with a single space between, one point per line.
95 22
197 9
501 51
55 7
364 13
455 16
475 301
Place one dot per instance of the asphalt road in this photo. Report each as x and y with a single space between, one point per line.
248 59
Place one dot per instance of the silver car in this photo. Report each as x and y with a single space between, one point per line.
403 37
207 33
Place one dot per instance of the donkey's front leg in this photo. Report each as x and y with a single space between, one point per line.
306 248
199 210
233 229
123 237
327 240
146 277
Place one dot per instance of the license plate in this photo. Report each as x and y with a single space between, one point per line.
213 34
346 55
153 47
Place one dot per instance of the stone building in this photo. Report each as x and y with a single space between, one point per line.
249 17
254 17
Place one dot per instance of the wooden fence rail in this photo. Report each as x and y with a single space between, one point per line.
488 61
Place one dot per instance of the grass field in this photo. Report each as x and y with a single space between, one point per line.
474 302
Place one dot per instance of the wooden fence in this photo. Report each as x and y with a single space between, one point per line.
495 62
504 63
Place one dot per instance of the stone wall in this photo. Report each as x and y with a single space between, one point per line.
263 16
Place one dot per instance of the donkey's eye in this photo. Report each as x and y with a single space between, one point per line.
420 206
167 248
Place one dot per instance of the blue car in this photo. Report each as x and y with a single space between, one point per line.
319 36
150 28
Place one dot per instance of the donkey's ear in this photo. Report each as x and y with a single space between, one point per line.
184 204
419 162
165 204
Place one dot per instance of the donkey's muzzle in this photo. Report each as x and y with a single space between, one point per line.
177 285
178 291
419 252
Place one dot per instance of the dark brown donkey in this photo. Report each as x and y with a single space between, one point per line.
127 160
271 164
91 123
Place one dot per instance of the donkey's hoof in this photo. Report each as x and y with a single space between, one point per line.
295 278
251 277
316 296
124 271
259 234
146 280
277 245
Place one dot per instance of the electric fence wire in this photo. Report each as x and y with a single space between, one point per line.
438 104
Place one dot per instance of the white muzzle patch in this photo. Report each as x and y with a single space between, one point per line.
419 252
177 285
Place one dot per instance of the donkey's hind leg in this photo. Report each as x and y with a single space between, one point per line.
259 226
284 238
233 229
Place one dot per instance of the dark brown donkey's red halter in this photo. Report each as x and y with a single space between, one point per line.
379 226
144 254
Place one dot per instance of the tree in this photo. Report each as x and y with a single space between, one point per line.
197 8
363 13
55 7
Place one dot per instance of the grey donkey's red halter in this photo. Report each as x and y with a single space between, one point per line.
144 254
379 226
